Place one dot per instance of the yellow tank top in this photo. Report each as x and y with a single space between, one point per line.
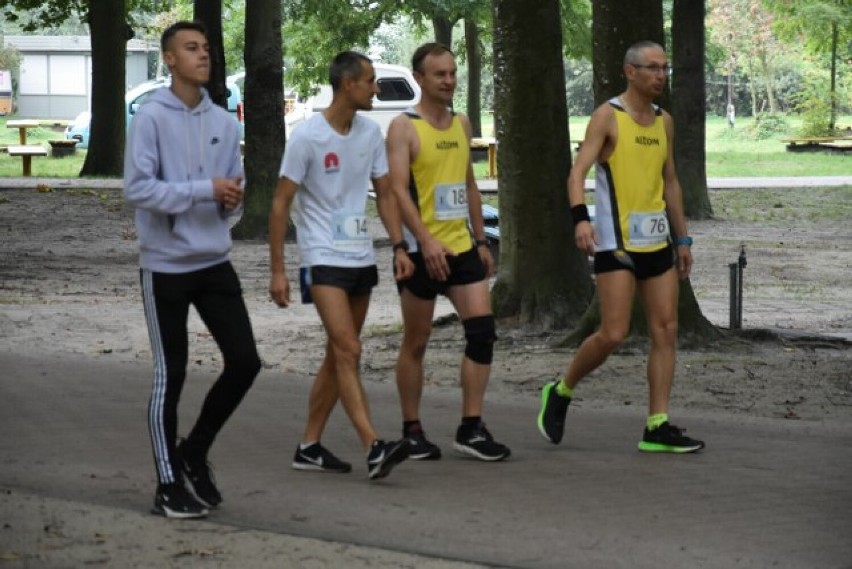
438 182
630 207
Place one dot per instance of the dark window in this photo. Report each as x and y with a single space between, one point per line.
394 89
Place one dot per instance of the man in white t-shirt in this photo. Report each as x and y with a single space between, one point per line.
327 166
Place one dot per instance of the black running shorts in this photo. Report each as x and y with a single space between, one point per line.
642 265
354 280
465 268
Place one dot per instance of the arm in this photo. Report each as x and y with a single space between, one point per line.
674 202
145 190
386 203
279 218
400 146
474 205
593 147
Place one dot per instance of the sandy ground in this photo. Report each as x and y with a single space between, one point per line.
69 284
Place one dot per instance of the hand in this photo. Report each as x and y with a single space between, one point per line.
684 261
403 266
487 259
228 191
435 256
279 289
585 238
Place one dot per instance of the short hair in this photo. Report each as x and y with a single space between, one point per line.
345 64
631 56
172 30
431 48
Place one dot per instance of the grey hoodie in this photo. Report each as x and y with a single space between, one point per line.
172 155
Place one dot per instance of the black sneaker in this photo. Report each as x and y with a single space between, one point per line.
668 438
551 418
199 477
175 501
479 443
421 447
318 458
384 456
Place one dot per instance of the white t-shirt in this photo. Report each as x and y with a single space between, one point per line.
334 172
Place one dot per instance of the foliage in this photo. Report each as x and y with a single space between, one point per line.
10 57
813 104
768 125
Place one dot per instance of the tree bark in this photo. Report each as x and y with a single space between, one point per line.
688 106
543 279
443 29
108 28
474 75
264 115
209 13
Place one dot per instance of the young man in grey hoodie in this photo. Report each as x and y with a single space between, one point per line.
183 174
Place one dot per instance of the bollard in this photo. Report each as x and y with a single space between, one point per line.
736 290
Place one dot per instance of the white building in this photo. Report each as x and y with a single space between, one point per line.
55 80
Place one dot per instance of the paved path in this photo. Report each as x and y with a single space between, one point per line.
765 493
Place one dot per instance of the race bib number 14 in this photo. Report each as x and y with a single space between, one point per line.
350 232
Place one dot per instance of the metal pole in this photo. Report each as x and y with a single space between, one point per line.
734 300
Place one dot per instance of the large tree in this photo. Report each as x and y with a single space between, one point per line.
209 13
688 106
825 26
264 115
109 34
543 278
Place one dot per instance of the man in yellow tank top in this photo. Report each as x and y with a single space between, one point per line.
432 178
637 198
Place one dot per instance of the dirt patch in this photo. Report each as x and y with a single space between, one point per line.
69 284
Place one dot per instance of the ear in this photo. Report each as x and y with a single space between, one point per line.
169 58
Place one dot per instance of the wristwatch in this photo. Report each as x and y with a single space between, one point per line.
481 242
685 240
401 245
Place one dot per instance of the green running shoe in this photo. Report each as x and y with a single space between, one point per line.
551 418
668 438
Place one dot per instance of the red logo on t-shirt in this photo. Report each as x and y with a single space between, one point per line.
332 162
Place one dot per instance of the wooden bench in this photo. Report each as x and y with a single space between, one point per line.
26 152
806 143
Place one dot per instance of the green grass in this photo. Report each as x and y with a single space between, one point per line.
730 152
735 153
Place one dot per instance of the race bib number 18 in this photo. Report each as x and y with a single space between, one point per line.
350 232
450 201
648 228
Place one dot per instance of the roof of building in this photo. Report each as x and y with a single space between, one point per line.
31 44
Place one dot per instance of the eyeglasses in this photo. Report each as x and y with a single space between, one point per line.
655 69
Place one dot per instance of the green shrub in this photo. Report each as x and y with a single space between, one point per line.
768 125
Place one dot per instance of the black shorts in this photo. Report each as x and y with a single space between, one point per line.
354 280
465 268
642 265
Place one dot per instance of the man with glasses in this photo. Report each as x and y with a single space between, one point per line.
637 198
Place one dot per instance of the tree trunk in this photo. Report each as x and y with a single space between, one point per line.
688 106
209 12
443 28
108 28
474 75
616 26
543 279
264 115
833 117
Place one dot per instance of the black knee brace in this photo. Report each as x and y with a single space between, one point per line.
479 333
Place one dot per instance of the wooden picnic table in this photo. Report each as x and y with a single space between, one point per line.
22 126
26 153
797 144
490 143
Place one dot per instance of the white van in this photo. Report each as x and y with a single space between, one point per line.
397 92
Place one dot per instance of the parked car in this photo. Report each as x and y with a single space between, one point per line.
79 128
397 92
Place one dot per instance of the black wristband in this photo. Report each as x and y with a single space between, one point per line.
481 242
579 213
400 245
